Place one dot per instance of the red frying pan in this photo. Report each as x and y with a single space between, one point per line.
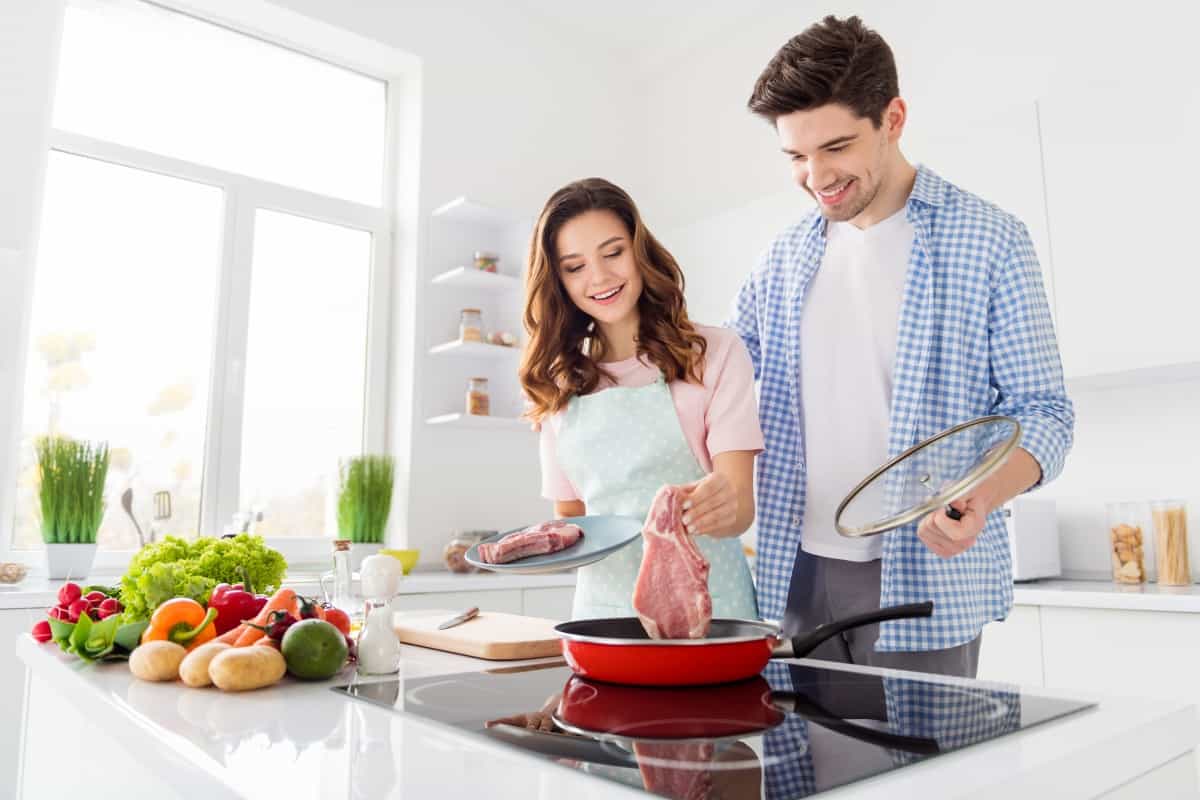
617 650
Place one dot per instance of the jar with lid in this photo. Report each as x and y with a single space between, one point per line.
455 553
478 402
486 261
470 325
1170 542
1127 532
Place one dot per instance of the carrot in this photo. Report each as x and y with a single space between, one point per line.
283 599
230 636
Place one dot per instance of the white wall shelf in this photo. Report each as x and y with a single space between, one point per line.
474 350
477 422
471 278
462 210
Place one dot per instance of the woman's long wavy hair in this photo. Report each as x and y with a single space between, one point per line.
565 350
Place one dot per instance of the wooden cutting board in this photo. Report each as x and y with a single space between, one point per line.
491 635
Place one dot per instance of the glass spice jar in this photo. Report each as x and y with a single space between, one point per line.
478 403
455 553
486 261
470 325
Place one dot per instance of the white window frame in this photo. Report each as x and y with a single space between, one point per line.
244 195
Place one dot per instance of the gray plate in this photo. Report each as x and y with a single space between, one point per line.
602 536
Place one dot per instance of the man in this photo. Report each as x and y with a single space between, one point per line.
900 306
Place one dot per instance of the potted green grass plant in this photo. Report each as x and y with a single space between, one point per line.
364 502
71 493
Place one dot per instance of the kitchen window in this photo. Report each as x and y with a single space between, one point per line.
213 258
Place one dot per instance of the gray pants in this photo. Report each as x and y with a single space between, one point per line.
826 589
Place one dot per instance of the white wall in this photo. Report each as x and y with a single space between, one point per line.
719 189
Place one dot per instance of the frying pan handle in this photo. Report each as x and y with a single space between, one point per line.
813 711
803 645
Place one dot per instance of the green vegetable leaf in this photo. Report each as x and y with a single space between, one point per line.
79 634
177 568
93 640
61 631
129 634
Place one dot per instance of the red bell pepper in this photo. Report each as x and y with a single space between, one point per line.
234 605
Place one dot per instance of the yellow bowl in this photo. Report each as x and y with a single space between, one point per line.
407 558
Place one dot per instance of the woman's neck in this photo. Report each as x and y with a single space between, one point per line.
620 338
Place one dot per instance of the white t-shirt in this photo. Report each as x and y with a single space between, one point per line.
847 349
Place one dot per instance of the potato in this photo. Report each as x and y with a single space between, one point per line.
157 661
240 669
194 669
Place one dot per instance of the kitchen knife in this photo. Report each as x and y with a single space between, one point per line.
470 613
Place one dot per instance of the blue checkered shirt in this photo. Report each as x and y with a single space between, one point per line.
975 337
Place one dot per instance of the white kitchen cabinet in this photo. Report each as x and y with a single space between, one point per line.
549 603
13 683
506 600
1122 653
1011 651
1121 172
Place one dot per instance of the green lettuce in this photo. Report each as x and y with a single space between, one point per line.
178 568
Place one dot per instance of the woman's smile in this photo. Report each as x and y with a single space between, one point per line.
608 296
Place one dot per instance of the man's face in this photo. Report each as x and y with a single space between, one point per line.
838 157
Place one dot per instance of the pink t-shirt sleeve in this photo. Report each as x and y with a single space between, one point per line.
731 418
555 484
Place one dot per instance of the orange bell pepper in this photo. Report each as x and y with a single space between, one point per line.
182 621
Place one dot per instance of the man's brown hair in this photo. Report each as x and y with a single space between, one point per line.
832 61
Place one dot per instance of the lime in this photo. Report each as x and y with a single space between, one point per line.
313 649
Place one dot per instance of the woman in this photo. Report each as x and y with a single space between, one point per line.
631 395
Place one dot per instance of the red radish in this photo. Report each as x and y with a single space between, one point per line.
41 631
58 612
95 597
68 594
111 605
103 613
80 606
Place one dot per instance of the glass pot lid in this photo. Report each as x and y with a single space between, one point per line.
928 476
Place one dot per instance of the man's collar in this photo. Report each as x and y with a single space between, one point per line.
928 189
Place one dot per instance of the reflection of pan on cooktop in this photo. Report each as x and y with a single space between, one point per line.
633 714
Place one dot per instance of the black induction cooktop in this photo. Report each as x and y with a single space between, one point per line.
789 733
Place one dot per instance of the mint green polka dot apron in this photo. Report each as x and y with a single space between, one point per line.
618 446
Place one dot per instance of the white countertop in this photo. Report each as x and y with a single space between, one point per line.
1108 595
38 591
300 740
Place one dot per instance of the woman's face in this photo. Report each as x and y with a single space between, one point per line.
596 264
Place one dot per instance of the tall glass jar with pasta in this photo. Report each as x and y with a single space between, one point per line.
1170 542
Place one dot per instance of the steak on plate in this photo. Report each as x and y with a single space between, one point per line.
671 594
536 540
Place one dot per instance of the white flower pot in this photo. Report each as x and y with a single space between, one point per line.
360 550
72 561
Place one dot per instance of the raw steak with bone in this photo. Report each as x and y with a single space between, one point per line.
671 594
536 540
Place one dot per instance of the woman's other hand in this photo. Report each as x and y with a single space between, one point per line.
722 502
710 506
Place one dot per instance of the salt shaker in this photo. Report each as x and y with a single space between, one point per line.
378 647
